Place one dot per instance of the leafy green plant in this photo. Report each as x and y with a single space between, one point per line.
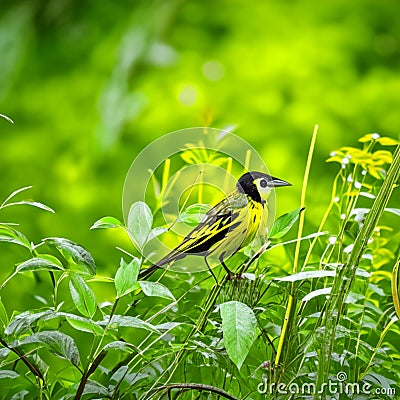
303 309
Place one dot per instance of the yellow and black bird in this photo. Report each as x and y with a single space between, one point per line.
230 225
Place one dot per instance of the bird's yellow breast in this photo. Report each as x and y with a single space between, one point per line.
256 215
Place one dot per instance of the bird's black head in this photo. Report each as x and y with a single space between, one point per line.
258 185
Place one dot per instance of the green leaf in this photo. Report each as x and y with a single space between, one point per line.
156 289
306 275
11 235
22 322
239 327
126 277
61 344
30 203
82 296
8 374
140 220
395 211
37 264
94 387
3 315
107 222
4 352
283 224
7 118
128 321
73 250
157 231
316 293
14 193
194 214
119 345
84 325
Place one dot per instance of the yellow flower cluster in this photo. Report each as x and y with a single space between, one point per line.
372 162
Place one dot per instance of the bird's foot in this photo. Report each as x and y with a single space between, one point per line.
235 277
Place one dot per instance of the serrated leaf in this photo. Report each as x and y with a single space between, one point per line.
30 203
126 277
140 221
283 224
22 322
82 296
306 275
107 223
84 325
94 387
60 343
128 321
78 254
119 345
37 264
239 328
156 289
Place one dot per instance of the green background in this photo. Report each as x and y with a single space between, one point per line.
89 84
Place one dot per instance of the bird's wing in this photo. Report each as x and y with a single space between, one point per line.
216 224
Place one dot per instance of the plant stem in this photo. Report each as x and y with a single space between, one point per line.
194 386
378 345
200 324
344 279
89 372
32 367
395 285
291 301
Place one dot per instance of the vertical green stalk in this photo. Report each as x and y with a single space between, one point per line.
395 285
289 315
344 278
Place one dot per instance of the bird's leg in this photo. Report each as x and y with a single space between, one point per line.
229 272
209 268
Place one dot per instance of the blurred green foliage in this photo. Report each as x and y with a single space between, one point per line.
90 84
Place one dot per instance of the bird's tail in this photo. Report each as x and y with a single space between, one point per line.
146 273
171 257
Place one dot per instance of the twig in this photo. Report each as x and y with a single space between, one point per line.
89 372
193 386
32 367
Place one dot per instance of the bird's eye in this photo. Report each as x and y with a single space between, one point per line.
263 183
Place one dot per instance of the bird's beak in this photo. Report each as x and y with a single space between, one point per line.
276 182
